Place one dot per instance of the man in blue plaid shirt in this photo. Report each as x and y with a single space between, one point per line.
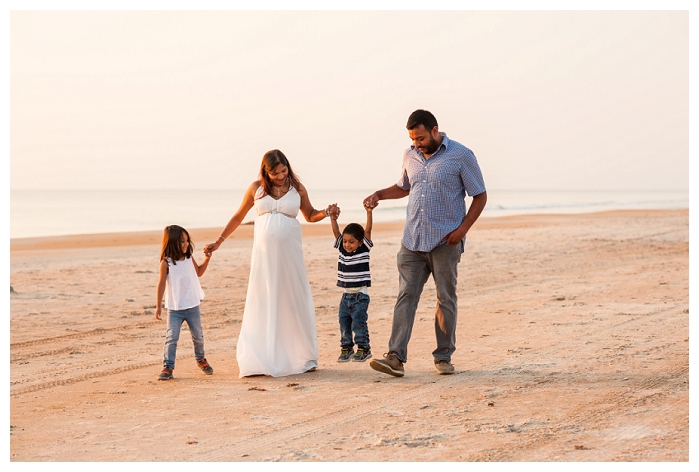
437 175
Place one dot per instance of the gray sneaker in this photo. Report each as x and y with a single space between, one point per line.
391 365
361 355
345 354
444 367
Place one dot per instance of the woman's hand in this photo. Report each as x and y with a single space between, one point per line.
333 211
211 247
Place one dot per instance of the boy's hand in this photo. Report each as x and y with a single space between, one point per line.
372 200
157 313
333 211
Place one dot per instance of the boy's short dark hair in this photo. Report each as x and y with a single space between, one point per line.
421 117
355 230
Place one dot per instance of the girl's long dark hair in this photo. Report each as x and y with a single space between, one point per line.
270 161
172 235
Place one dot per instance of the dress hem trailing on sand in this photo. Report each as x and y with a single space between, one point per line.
278 332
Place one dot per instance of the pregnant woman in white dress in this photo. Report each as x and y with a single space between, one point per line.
278 333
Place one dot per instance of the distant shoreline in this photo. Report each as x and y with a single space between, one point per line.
60 213
202 236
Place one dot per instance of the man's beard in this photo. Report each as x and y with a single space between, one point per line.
430 147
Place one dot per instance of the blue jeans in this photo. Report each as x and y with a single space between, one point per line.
414 268
175 318
353 317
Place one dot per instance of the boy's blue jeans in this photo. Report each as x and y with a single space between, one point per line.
175 318
353 317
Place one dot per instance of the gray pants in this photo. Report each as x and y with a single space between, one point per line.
414 268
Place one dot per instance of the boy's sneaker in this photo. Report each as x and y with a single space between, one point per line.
204 366
391 365
361 355
444 367
345 354
166 374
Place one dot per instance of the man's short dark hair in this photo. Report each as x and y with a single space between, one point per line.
355 230
421 117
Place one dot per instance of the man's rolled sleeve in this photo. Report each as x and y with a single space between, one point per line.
404 182
471 176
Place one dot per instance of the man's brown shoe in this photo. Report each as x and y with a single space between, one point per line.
390 365
444 367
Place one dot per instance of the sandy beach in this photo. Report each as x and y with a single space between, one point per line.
572 345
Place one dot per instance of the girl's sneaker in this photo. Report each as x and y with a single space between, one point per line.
166 374
361 355
205 367
345 354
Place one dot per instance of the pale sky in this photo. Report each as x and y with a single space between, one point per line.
193 99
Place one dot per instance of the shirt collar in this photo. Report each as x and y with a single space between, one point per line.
445 140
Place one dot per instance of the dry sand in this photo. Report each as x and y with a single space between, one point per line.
573 345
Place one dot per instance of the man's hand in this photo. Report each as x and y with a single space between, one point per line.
372 200
453 238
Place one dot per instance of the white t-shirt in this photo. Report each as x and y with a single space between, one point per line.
182 289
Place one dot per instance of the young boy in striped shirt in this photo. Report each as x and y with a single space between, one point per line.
354 244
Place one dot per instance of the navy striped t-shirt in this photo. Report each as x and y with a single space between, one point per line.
353 268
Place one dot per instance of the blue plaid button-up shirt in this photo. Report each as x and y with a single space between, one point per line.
438 186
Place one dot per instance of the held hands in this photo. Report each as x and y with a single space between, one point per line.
333 211
371 201
211 247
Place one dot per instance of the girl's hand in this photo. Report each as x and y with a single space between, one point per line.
210 248
157 313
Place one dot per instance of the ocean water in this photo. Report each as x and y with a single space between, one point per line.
35 213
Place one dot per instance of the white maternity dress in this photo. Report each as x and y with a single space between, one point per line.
278 333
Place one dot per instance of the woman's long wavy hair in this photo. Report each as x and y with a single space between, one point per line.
171 248
270 161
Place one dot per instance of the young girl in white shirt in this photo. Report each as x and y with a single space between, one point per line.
179 282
